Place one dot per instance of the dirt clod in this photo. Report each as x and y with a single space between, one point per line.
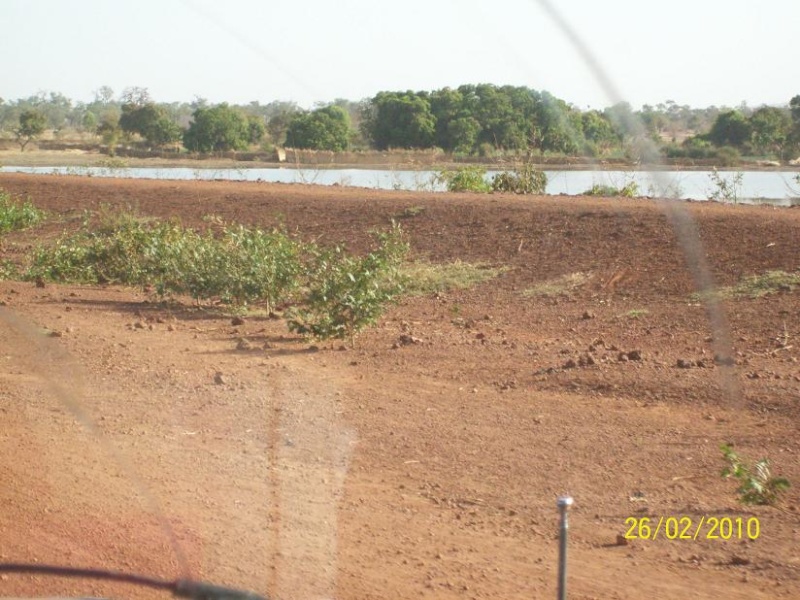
635 355
243 344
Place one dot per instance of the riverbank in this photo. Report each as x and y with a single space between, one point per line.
396 159
773 187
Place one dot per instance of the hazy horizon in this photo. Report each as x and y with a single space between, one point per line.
717 53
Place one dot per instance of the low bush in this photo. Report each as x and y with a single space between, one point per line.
15 215
629 190
335 294
523 180
726 189
465 179
240 266
347 293
756 483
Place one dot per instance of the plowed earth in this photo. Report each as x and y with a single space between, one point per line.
408 470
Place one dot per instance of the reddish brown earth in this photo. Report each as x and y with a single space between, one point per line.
429 469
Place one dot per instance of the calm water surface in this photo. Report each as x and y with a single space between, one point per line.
771 187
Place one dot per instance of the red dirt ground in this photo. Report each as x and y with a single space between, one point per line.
404 471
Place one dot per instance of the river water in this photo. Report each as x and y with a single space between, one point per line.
778 188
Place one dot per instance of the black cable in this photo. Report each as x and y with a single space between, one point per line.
183 588
88 574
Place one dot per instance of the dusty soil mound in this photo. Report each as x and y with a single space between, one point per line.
427 460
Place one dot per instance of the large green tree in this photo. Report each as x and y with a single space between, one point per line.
501 125
109 130
399 120
150 121
560 127
256 128
448 106
730 128
32 124
217 129
598 133
326 128
770 128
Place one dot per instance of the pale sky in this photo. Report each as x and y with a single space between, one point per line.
696 52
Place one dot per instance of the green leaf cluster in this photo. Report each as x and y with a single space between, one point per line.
522 180
471 117
347 293
756 484
150 121
238 266
15 215
629 190
327 128
525 179
725 189
32 124
217 129
333 294
465 179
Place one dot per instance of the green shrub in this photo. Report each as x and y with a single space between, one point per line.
756 484
239 266
8 270
346 293
247 265
523 180
465 179
629 190
486 150
336 294
16 215
726 189
129 254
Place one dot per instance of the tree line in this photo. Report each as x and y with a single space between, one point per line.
767 131
482 120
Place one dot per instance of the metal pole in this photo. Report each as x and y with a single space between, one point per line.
564 502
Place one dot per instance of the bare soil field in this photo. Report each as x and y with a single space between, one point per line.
425 462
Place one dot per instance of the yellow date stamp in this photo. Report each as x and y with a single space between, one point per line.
692 528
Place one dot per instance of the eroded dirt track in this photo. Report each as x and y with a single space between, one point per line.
392 470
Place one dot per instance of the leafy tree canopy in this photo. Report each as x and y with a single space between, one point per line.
32 124
256 128
217 129
730 129
326 128
400 120
151 121
771 128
